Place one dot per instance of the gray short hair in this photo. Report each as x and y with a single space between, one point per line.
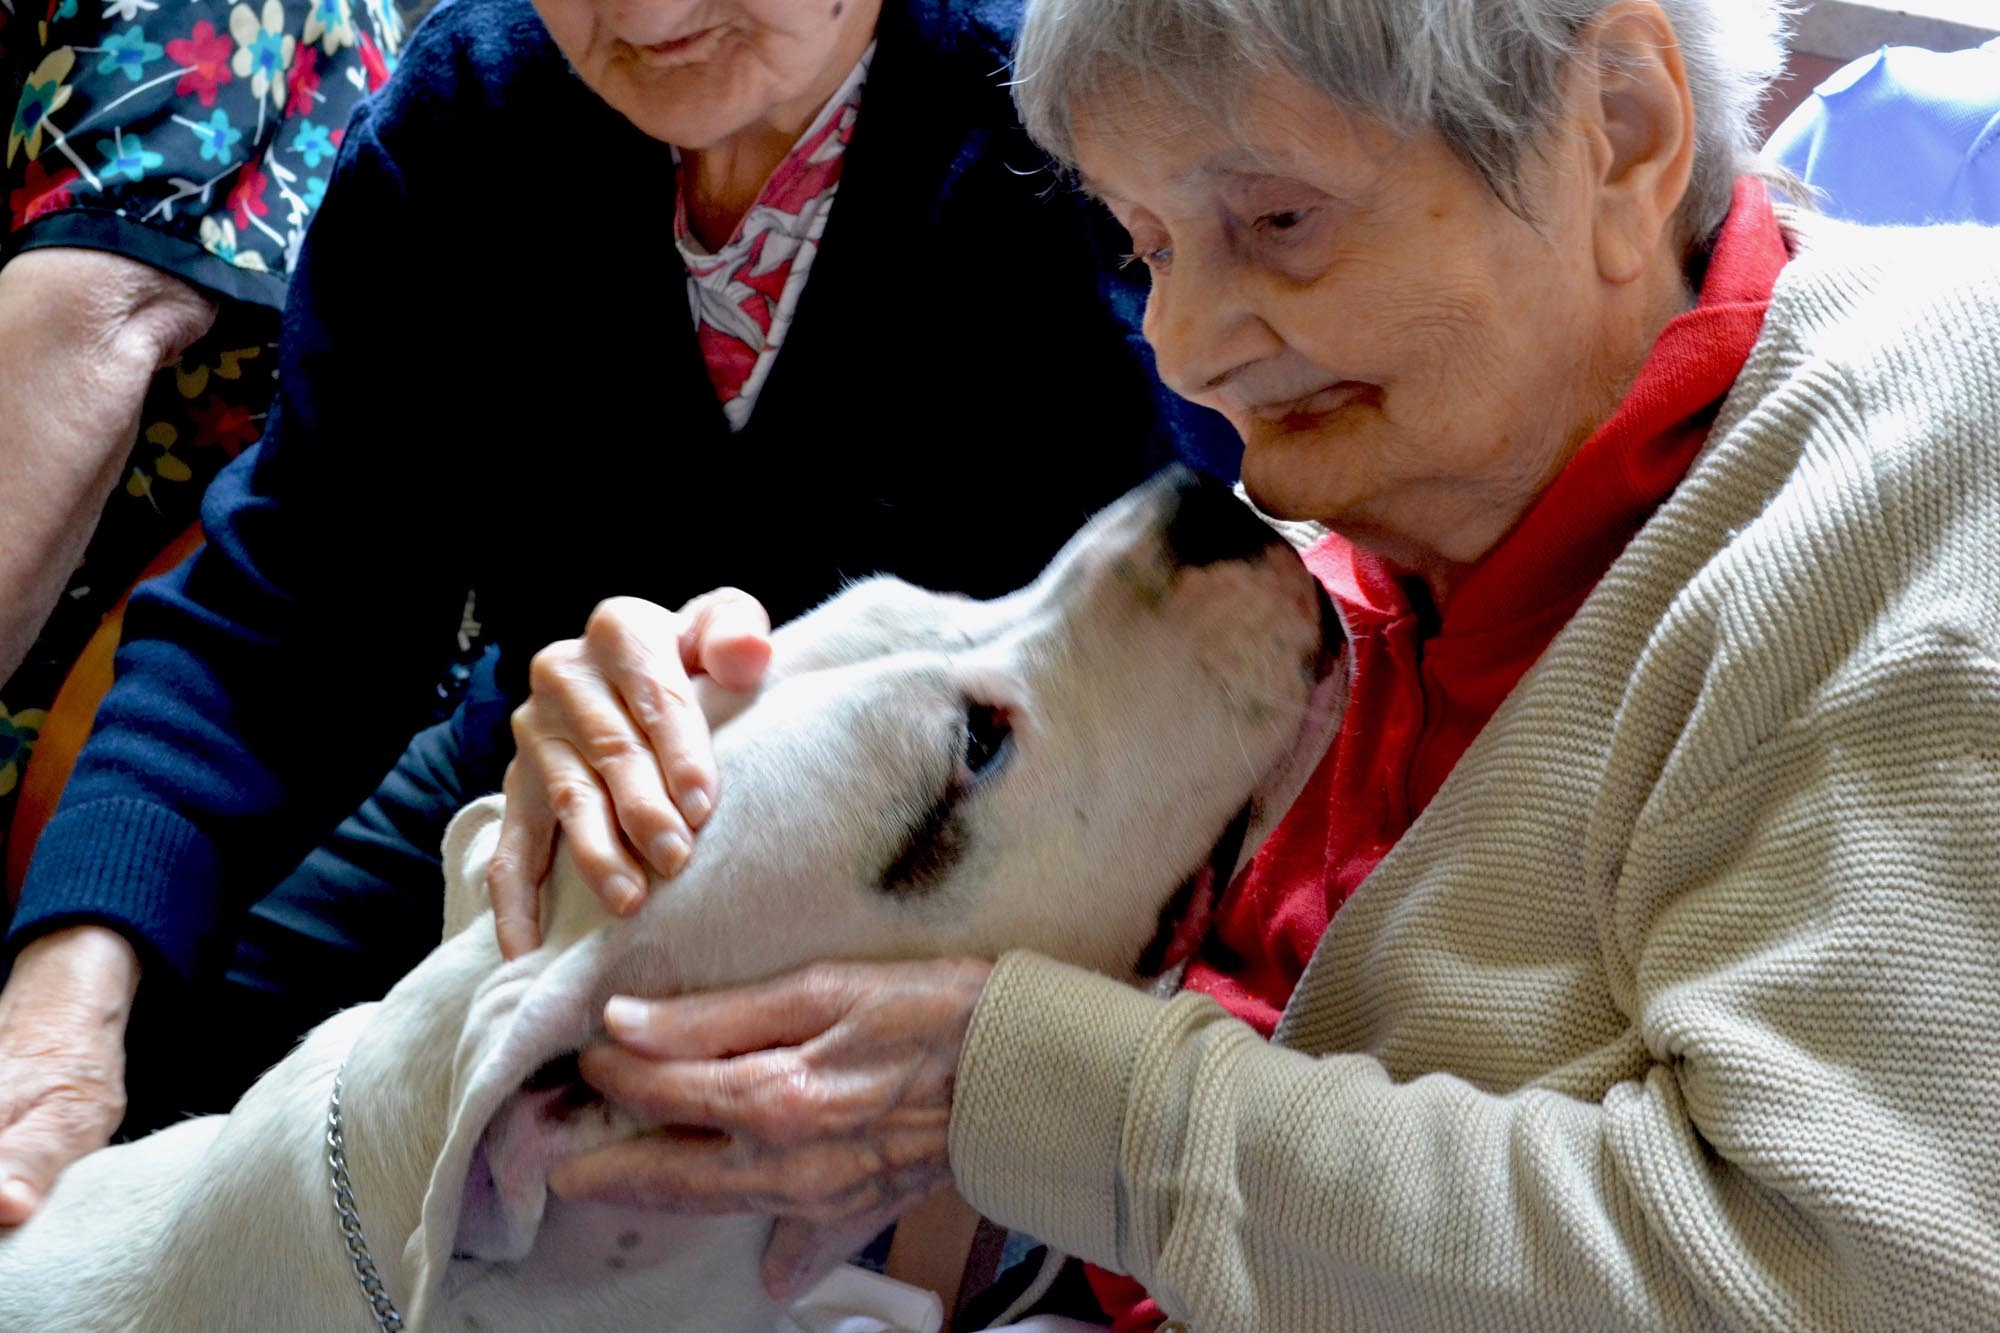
1486 74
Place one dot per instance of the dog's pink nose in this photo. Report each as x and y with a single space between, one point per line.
1205 524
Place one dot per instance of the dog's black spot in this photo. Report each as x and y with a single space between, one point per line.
615 1262
936 842
1207 524
628 1240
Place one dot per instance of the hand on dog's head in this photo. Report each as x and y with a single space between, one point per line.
921 775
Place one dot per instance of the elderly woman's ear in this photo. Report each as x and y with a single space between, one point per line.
1631 98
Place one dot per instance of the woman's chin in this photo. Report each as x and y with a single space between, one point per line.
693 108
1302 467
1287 477
1297 485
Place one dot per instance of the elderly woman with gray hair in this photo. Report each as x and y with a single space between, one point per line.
1631 958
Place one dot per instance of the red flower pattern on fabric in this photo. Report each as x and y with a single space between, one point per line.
247 195
40 192
302 82
206 53
224 424
372 61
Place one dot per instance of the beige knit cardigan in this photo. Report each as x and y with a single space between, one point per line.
1680 1005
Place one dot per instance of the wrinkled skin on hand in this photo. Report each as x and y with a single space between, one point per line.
62 1058
822 1098
612 748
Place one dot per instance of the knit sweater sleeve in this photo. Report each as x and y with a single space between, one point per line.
1789 1148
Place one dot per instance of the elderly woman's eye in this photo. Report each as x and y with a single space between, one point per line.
987 735
1156 260
1283 220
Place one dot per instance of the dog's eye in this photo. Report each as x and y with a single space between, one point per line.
986 734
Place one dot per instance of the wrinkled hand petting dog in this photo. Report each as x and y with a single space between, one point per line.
821 1098
833 1119
920 777
619 702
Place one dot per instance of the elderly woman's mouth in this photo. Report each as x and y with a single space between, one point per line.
1292 413
684 50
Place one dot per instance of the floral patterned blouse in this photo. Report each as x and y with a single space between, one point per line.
197 136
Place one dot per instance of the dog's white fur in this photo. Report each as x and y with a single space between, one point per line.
1147 701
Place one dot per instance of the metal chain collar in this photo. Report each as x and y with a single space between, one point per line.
384 1309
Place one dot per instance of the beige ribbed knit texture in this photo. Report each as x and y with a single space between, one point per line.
1680 1006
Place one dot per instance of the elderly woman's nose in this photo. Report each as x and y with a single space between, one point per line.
1202 331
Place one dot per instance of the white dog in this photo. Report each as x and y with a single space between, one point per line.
921 775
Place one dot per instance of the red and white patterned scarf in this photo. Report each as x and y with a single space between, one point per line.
743 296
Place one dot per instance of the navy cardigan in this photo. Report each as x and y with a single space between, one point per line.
962 385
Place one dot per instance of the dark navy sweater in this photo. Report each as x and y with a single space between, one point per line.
961 386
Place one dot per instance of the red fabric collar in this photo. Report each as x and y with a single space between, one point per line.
1417 701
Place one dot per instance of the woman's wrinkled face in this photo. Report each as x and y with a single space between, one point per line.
696 72
1406 360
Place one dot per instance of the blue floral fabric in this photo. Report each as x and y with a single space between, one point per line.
194 135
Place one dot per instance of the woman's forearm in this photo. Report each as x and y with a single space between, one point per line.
81 334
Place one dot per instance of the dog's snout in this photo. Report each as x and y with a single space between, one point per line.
1205 524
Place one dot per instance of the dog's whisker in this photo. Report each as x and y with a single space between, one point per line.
1252 701
1250 769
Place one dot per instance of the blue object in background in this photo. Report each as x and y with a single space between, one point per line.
1903 136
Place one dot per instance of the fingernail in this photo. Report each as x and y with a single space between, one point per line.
19 1193
629 893
624 1015
670 852
696 805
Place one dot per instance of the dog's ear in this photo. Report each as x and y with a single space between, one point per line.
488 1188
469 841
529 1012
523 1014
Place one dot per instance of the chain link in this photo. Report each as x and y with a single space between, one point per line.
384 1309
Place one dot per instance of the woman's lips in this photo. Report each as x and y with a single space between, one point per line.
1299 413
683 50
